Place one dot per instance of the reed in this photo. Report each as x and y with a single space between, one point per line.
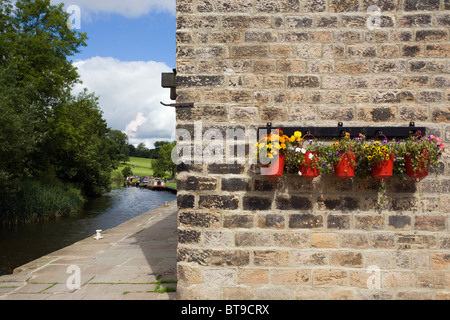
39 201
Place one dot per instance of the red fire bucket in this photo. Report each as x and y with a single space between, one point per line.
421 171
383 169
345 168
275 169
306 169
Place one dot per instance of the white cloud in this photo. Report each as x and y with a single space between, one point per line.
129 96
127 8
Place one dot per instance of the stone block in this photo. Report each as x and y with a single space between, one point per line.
305 221
430 223
271 221
238 221
325 240
346 259
421 5
253 276
299 240
219 276
218 202
329 277
271 258
199 219
290 277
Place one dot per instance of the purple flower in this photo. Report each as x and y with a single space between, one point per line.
324 164
330 154
337 154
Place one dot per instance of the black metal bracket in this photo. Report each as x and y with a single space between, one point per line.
169 80
341 130
176 105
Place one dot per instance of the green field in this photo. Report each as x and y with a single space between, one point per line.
139 166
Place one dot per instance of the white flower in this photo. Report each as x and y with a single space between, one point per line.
311 156
303 150
299 173
297 149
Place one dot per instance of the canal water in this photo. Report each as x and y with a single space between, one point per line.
22 244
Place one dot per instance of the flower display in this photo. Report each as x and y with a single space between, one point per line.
419 154
302 155
272 144
348 157
272 147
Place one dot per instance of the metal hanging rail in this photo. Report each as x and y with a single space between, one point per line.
340 130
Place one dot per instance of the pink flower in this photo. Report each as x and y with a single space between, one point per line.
438 139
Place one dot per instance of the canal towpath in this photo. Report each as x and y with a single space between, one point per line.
133 261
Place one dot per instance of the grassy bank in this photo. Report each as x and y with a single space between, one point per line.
139 166
39 201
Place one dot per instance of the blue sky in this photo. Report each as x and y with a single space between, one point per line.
130 44
149 37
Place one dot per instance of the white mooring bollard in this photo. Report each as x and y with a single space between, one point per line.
99 235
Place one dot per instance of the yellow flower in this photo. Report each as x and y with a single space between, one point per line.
336 144
270 156
366 146
388 157
369 158
291 139
257 144
383 148
347 135
297 134
377 143
283 146
269 146
282 139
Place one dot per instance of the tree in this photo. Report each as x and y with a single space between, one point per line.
120 139
142 151
155 152
164 163
80 148
35 76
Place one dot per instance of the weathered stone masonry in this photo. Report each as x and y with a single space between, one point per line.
311 62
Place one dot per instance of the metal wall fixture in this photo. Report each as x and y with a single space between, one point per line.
169 80
341 130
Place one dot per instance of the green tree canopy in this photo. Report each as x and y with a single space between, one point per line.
120 140
164 163
35 76
45 131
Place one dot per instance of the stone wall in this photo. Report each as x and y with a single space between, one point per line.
296 63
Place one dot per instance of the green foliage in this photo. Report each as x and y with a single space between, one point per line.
120 140
79 143
44 130
38 201
126 172
422 151
164 163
